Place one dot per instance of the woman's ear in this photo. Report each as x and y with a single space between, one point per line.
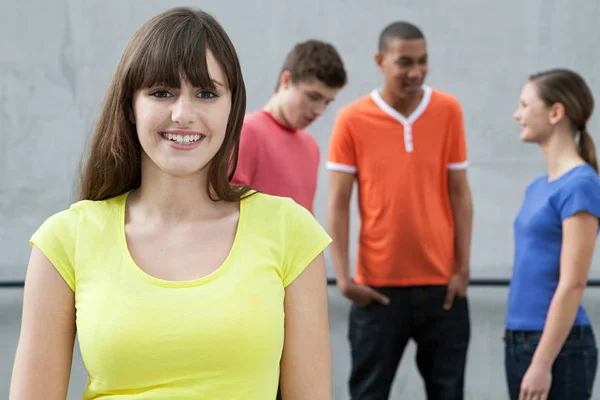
557 113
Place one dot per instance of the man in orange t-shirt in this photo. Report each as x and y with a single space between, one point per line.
277 156
405 147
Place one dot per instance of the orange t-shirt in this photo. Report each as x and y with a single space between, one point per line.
401 165
276 160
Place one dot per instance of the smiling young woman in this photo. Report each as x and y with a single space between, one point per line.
550 346
177 283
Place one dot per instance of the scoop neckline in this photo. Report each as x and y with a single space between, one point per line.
185 283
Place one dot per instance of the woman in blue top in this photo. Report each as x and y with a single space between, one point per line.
550 346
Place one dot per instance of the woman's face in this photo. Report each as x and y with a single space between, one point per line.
181 129
533 116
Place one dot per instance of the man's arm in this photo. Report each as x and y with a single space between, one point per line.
338 221
462 211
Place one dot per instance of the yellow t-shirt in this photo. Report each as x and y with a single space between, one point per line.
217 337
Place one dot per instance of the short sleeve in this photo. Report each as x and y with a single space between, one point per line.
246 166
457 154
57 238
581 195
341 156
304 239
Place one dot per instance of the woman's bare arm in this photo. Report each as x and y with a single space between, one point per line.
306 361
45 351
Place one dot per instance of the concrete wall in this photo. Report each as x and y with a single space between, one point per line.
56 60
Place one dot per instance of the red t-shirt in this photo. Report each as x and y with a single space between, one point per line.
276 160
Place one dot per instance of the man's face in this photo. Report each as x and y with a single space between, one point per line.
404 65
303 102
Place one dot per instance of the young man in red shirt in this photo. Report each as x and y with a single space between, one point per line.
405 147
277 156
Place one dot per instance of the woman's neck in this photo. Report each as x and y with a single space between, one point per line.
560 151
173 199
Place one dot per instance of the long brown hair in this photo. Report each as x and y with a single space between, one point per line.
166 47
569 89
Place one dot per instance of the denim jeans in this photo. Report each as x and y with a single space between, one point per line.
573 372
379 333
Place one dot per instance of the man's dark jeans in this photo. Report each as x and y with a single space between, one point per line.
379 333
573 371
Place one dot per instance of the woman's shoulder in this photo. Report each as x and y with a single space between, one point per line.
87 210
281 216
272 205
294 234
579 179
578 190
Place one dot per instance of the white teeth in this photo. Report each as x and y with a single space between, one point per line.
182 139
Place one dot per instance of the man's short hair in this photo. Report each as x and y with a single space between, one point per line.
314 59
398 30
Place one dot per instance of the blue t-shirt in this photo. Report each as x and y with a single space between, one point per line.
538 241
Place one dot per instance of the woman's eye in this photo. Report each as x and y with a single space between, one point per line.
207 94
161 94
